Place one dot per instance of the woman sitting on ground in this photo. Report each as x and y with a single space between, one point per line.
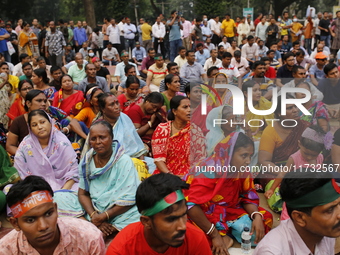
177 143
147 116
110 207
68 99
131 96
46 152
40 80
172 87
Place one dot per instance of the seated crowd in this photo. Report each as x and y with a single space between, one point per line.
84 159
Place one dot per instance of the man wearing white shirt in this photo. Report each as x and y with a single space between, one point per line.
186 33
317 29
180 60
251 25
212 61
206 32
210 46
302 60
224 43
121 30
129 34
231 71
241 64
114 34
261 28
158 32
250 50
215 27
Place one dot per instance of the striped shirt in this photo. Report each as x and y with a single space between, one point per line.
231 71
158 74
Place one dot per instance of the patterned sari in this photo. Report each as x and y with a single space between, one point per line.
26 46
71 105
318 111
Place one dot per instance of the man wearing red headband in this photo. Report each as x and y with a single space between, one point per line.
37 229
163 226
312 201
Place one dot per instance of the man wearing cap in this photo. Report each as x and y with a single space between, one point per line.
316 71
312 201
138 54
4 35
119 72
101 71
156 73
163 226
37 229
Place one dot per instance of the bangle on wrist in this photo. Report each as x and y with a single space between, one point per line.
150 124
91 215
253 214
212 228
68 130
108 217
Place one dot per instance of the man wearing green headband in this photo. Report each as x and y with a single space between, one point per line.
163 226
313 204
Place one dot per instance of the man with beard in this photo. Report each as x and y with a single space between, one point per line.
299 74
56 74
163 226
285 72
27 70
54 44
266 84
174 69
101 71
312 201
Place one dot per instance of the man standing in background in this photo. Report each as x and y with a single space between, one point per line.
146 34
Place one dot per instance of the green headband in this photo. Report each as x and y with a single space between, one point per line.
158 58
166 202
321 196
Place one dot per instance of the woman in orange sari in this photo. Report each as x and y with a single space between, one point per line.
67 98
28 41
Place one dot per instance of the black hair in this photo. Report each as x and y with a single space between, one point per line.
296 184
296 69
128 67
248 84
227 14
237 53
211 69
311 144
270 51
189 87
26 64
243 141
189 51
300 52
90 86
329 67
65 75
250 37
264 59
226 55
42 73
86 66
24 24
3 63
20 190
151 49
199 45
171 64
55 68
198 19
155 98
174 103
220 47
296 43
273 43
277 112
181 48
168 79
37 113
96 29
158 55
102 99
155 188
285 13
31 95
22 56
287 55
105 124
22 82
172 12
258 63
131 79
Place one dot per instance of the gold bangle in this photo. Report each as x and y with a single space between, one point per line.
108 217
92 213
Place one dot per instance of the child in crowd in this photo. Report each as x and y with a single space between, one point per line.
313 141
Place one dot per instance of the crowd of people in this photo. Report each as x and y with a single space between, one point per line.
84 157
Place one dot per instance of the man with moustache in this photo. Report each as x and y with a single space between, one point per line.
174 69
54 44
163 226
37 229
312 201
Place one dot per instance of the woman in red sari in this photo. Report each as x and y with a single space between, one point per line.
223 203
173 141
130 97
18 106
67 98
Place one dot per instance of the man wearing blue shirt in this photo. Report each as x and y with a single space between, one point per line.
79 35
138 54
201 54
175 34
3 42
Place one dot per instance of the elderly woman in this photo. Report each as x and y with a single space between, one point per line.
278 142
110 207
68 99
28 41
172 141
46 152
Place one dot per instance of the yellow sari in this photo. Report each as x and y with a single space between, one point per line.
256 132
27 46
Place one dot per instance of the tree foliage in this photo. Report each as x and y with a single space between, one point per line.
210 7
